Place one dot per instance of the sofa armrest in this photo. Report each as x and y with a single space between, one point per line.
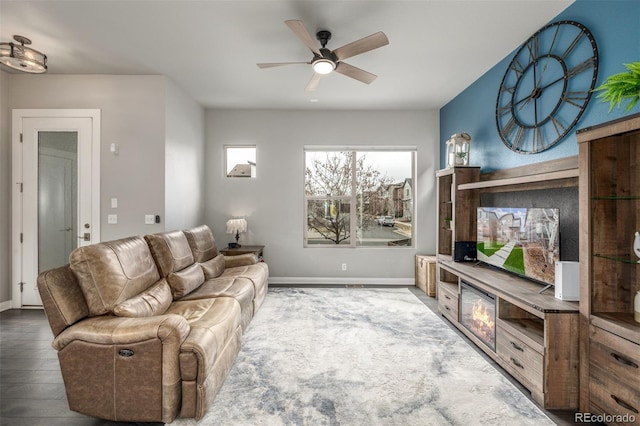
117 368
110 330
240 260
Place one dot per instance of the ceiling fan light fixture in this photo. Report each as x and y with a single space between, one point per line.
22 58
323 66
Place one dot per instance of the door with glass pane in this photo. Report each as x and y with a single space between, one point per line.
57 185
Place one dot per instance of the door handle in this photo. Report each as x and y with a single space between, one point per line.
85 237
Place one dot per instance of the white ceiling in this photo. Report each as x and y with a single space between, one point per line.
210 48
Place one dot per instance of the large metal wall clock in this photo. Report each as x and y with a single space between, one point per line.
547 87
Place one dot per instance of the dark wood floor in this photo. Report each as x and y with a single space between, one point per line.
31 388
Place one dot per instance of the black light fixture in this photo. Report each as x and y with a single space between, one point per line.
22 58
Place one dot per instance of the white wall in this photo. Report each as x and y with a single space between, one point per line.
184 161
5 192
133 116
273 202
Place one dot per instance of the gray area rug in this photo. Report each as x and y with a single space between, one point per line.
360 356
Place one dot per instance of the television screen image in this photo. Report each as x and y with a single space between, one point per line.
523 241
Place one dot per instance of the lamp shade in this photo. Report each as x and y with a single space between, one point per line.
22 58
235 226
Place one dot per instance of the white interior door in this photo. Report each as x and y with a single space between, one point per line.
58 204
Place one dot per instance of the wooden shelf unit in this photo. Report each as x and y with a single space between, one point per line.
536 334
609 157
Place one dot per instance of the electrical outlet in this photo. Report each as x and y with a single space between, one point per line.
344 266
149 219
112 219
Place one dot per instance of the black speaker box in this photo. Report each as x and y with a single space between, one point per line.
465 251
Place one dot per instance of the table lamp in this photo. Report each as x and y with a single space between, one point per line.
236 226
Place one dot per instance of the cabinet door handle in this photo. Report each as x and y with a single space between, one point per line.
447 308
516 346
516 363
623 360
623 404
447 297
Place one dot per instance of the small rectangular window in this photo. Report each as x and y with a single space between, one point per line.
240 161
359 197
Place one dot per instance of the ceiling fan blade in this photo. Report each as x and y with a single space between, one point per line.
313 83
355 72
279 64
357 47
299 29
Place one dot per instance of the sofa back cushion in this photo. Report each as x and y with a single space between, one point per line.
203 245
213 268
170 250
174 258
111 272
153 301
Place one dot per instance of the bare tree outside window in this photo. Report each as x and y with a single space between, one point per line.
352 200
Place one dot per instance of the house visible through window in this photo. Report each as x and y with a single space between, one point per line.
359 197
240 161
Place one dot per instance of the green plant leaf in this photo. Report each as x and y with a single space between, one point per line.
624 86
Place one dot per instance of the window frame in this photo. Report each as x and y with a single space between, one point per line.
226 148
353 198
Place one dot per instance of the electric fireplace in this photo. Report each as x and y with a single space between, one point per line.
478 313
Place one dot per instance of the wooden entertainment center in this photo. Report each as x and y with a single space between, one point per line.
535 334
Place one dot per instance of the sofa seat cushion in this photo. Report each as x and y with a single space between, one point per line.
238 288
258 273
153 301
213 323
241 289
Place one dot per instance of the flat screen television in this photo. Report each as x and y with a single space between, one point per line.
523 241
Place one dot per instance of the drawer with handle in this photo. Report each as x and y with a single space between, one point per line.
520 357
448 302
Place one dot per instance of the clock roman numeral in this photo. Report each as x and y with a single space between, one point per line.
572 46
581 67
560 128
577 99
517 67
538 140
533 47
508 128
519 139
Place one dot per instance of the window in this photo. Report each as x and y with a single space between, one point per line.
240 161
359 197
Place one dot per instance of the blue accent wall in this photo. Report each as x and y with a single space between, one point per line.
615 25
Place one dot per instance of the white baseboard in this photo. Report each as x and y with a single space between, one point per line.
5 306
341 281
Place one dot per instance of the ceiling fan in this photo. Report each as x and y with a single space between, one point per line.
325 61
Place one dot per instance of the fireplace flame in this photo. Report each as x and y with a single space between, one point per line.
482 320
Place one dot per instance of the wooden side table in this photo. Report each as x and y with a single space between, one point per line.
257 250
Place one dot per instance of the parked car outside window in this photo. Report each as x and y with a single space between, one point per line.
386 221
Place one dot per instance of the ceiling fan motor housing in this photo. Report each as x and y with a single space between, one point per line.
323 37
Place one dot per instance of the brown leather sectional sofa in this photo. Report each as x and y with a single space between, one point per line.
147 328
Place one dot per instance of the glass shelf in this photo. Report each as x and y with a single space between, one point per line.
618 258
617 198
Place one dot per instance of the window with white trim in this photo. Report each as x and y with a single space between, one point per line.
359 196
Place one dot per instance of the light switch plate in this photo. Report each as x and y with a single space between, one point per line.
149 219
114 203
112 219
